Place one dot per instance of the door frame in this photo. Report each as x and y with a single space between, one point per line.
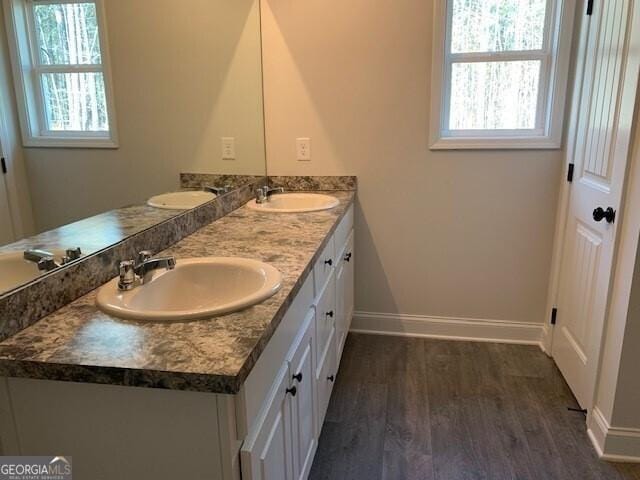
565 187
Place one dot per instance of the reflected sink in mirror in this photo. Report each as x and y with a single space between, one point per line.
16 271
196 288
181 200
295 203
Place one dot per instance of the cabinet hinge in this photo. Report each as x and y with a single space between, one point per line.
554 315
3 165
570 172
590 7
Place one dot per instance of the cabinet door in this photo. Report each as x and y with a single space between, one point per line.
341 318
348 259
268 453
344 294
324 380
303 403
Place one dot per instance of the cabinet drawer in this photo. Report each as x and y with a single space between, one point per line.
325 316
343 230
325 379
324 267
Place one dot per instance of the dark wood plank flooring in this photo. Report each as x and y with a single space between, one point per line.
410 408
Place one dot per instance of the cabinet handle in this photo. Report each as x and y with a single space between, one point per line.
347 257
329 314
298 377
331 378
293 390
328 262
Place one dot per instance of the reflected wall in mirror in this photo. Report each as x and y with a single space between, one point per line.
107 105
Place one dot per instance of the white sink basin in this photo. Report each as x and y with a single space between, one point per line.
16 271
180 200
295 203
195 288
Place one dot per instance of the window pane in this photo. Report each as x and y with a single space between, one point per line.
75 102
497 25
494 95
67 33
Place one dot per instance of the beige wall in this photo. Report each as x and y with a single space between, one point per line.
184 76
455 234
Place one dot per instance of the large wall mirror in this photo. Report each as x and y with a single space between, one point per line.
106 104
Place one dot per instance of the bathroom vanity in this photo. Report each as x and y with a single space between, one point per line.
241 395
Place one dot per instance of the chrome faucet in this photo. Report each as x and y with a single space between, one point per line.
138 272
46 260
42 258
216 190
263 193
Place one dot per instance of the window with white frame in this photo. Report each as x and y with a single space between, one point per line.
500 73
61 72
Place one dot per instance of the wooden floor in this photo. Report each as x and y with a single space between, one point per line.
408 408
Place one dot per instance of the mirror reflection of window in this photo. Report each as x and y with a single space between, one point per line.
65 79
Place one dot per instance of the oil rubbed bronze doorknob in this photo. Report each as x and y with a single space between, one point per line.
600 214
292 391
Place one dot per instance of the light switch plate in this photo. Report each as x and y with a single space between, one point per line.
228 148
303 149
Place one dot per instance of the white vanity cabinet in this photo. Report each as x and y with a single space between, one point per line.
311 360
269 430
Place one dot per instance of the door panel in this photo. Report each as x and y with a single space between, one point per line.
603 137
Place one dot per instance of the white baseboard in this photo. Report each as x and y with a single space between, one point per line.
469 329
613 444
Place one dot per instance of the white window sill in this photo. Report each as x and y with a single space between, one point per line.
71 142
501 143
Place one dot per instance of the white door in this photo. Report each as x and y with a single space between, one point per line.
600 157
7 235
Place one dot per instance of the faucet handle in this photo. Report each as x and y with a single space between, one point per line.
47 264
73 253
127 275
144 255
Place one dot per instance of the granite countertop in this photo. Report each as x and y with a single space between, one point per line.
80 343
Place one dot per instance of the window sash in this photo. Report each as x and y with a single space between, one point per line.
39 69
545 56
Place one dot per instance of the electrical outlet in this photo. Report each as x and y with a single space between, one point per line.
303 149
228 148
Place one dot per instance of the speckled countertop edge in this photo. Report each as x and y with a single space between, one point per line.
24 355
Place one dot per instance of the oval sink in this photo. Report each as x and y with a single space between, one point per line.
181 200
195 288
16 271
295 203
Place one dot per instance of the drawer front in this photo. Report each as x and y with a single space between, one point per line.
344 229
324 267
326 315
325 379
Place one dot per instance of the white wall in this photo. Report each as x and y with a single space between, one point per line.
184 76
454 234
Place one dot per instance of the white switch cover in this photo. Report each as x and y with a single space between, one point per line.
228 148
303 149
